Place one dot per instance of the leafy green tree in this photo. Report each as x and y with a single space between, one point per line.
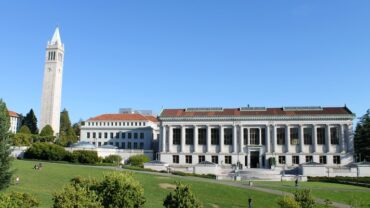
47 131
288 202
121 190
17 199
75 196
5 142
182 197
77 127
304 198
24 130
67 134
31 122
21 139
362 137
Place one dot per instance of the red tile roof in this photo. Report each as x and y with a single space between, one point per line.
13 114
266 112
126 117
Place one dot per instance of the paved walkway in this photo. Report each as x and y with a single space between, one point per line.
229 183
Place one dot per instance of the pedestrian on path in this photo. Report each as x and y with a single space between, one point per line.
250 202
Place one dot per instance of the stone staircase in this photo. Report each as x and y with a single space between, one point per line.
250 174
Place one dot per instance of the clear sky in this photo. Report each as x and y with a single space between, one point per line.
158 54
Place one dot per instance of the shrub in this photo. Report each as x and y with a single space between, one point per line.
45 151
85 157
75 196
21 139
24 130
288 202
47 131
138 160
304 198
181 197
357 181
115 159
121 190
17 199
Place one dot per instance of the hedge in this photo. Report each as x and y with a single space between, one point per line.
138 160
357 181
46 151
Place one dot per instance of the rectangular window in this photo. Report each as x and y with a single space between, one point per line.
175 159
123 145
176 136
309 159
135 145
280 136
281 159
263 136
135 135
228 160
141 135
111 135
320 135
334 138
99 135
105 135
295 160
307 136
129 145
141 145
94 135
129 135
254 136
189 136
245 136
110 143
215 136
323 159
105 143
202 136
215 159
123 135
188 159
88 135
99 144
336 159
294 140
201 158
228 136
117 135
117 144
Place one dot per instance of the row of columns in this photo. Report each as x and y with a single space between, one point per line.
270 146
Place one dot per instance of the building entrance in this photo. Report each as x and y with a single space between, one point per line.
255 159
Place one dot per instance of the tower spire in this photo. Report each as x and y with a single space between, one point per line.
56 37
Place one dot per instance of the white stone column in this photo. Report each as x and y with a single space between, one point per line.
170 139
328 138
267 135
301 138
234 139
314 138
274 137
248 133
163 139
222 139
241 145
259 136
342 139
208 138
195 139
183 132
287 138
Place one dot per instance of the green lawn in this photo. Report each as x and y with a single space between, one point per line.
53 176
334 192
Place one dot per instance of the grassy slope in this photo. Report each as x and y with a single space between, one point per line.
334 192
53 176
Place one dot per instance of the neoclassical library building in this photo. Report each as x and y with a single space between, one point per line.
249 136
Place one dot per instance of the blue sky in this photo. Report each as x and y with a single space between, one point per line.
168 54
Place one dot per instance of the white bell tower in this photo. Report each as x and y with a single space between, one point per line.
52 84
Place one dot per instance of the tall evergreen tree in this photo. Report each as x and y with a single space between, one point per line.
47 131
5 142
67 135
362 137
31 122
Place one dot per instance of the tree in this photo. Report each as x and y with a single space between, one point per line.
17 199
181 198
47 131
288 202
67 135
362 137
304 198
5 142
31 122
24 130
77 127
76 196
138 160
